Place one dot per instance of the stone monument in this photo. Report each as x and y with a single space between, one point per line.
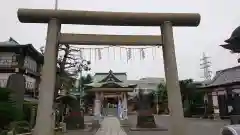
145 118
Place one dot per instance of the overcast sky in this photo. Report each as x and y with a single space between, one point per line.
218 19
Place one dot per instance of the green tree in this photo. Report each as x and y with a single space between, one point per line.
162 93
88 97
86 80
190 97
8 111
186 88
69 64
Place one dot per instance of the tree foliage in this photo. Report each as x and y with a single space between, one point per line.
86 80
8 111
69 64
162 93
190 98
187 88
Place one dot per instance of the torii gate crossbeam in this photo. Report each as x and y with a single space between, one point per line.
115 40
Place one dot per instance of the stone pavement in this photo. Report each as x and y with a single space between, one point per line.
110 126
193 126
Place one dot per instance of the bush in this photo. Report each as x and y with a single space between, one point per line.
20 127
8 110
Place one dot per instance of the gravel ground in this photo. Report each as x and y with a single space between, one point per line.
194 126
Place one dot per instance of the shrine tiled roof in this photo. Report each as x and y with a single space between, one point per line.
110 77
226 76
110 81
110 84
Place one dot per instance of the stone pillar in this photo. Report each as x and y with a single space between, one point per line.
97 106
45 115
125 107
210 104
102 104
172 82
119 109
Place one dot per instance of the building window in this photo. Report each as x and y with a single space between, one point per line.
8 60
31 64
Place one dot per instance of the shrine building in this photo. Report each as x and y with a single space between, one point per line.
110 88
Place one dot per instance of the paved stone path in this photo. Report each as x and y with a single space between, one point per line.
110 126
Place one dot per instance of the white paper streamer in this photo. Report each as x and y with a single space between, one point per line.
142 54
108 53
99 54
129 54
113 52
153 52
81 53
120 53
90 53
95 54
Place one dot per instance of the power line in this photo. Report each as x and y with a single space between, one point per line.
205 65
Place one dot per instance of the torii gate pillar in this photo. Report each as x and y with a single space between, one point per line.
45 121
171 74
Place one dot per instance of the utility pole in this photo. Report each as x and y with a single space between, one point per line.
205 65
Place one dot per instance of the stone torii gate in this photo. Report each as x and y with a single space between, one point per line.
54 18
